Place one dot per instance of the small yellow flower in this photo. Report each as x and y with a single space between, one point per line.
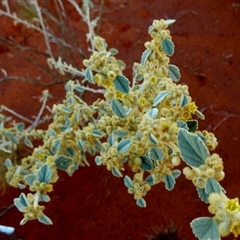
236 229
142 100
232 205
119 95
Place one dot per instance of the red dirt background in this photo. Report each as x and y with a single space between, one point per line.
93 204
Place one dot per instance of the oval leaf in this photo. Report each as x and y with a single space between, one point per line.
118 108
192 148
146 163
152 113
128 182
167 46
205 228
169 182
145 56
174 72
160 97
62 162
212 186
121 84
124 145
141 203
156 153
89 75
44 173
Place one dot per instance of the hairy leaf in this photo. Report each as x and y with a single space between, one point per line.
89 75
121 84
141 203
124 145
118 108
167 46
160 97
128 182
44 173
169 182
174 72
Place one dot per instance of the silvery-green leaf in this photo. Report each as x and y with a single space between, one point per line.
169 21
205 228
96 133
20 126
169 182
192 125
44 173
45 220
89 75
167 46
67 110
70 151
30 178
111 139
18 204
202 194
80 144
145 56
121 84
12 138
201 136
120 133
139 134
62 162
51 132
182 124
176 173
79 88
141 203
150 180
56 146
160 97
118 108
113 51
212 186
98 161
98 145
146 163
156 153
139 77
152 113
192 148
116 172
174 72
21 186
124 145
44 198
8 163
128 182
23 200
150 28
28 143
153 139
183 100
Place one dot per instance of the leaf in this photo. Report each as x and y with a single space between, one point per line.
169 182
96 133
139 77
153 139
12 138
212 186
62 162
43 198
124 145
150 28
89 75
8 163
156 153
18 204
120 133
23 200
44 173
145 56
80 144
183 100
167 46
30 178
128 182
192 125
202 194
205 228
174 72
152 113
160 97
176 173
118 108
113 51
139 134
51 132
111 139
46 220
150 180
28 143
20 126
56 146
79 88
146 163
121 84
116 172
70 151
67 110
182 124
192 148
98 161
169 21
141 203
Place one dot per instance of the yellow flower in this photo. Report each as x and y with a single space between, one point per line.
142 100
232 205
236 229
119 95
